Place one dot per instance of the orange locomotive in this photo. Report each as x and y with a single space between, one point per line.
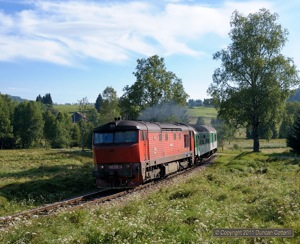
129 153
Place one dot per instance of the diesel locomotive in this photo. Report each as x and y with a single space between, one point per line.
129 153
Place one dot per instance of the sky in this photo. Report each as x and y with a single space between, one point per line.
74 49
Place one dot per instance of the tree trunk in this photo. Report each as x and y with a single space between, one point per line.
255 138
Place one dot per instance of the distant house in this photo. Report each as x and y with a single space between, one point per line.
77 116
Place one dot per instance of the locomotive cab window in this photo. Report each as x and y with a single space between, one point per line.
125 137
116 137
103 138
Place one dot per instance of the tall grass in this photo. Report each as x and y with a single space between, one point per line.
241 190
33 177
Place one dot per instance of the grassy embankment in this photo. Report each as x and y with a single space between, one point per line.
241 189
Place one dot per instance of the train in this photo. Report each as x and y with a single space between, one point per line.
129 153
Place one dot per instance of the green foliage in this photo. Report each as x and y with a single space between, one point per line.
109 109
293 138
154 85
225 131
98 102
6 117
75 135
45 99
194 103
57 129
254 80
28 124
292 109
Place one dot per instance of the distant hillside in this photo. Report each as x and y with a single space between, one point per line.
16 98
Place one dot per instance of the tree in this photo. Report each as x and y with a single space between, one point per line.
45 99
292 109
98 102
208 102
110 105
192 103
49 127
225 131
154 85
254 80
28 124
62 131
6 127
293 138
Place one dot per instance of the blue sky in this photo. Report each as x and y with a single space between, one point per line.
76 48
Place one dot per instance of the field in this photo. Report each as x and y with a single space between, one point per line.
33 177
241 190
207 112
70 109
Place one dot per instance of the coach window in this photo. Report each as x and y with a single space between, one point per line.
179 136
166 136
174 136
160 137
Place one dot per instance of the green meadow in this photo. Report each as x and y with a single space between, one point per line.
240 190
33 177
208 113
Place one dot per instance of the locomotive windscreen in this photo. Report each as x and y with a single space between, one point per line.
116 137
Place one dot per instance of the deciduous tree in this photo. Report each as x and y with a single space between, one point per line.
6 127
153 85
110 105
254 80
28 124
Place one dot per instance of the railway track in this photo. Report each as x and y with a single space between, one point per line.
93 198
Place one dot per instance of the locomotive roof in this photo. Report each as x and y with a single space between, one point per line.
142 125
204 128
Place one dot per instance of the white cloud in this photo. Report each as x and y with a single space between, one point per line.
65 32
